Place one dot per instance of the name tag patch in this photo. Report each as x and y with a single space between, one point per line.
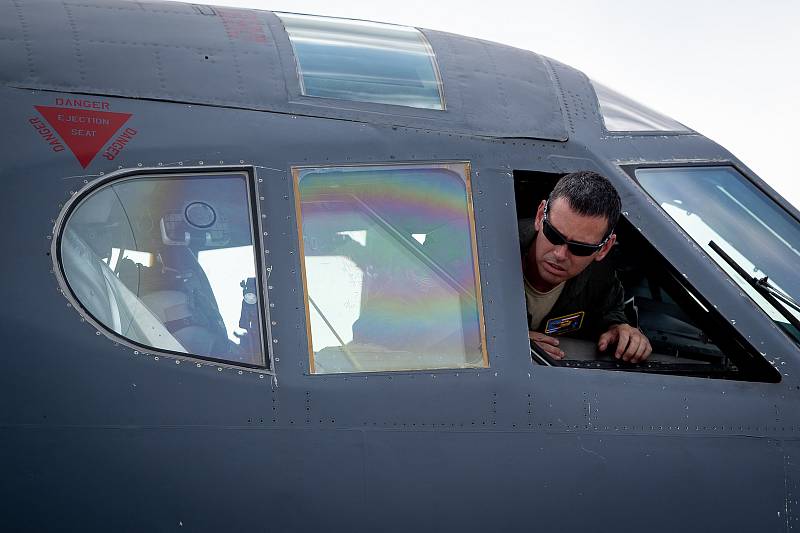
564 324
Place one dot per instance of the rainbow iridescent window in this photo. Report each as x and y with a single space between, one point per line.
390 268
364 61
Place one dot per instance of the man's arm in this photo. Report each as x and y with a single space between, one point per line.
632 345
547 343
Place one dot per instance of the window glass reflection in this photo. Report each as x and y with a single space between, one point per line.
621 113
719 204
390 270
166 262
364 61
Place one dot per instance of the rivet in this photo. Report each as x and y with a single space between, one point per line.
200 162
261 376
199 365
274 341
177 362
219 369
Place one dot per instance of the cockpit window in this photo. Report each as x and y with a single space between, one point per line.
390 268
621 113
364 61
168 263
719 204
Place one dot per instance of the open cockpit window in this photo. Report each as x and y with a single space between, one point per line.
167 262
687 334
390 268
364 61
718 204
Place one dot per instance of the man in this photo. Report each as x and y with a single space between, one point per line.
567 289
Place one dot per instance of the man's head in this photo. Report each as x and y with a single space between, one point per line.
582 209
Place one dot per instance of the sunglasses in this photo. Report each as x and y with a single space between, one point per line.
575 248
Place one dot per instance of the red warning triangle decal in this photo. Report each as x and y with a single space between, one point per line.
85 132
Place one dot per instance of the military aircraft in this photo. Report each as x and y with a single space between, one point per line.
263 274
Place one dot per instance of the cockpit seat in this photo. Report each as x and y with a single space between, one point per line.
182 298
172 310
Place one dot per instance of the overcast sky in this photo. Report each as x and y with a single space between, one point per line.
726 69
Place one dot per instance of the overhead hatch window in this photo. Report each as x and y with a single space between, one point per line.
167 262
390 268
364 61
621 113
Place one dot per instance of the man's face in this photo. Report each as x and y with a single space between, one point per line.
549 264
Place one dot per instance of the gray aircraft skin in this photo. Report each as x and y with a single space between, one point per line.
100 433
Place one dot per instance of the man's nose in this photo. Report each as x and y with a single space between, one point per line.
560 252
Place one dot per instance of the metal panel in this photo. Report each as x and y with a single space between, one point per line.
243 59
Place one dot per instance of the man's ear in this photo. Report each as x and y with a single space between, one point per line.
606 248
540 215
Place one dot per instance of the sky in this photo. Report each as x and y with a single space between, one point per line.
725 69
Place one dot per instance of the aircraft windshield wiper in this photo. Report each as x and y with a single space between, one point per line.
766 289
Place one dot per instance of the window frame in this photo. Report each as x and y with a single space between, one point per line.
296 169
256 229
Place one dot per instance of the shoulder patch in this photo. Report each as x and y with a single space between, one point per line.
564 324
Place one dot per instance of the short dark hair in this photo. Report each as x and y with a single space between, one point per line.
589 194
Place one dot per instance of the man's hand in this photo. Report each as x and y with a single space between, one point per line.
548 344
632 345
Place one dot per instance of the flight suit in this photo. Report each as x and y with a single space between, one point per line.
597 293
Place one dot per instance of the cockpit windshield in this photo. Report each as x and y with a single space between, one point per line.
719 204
